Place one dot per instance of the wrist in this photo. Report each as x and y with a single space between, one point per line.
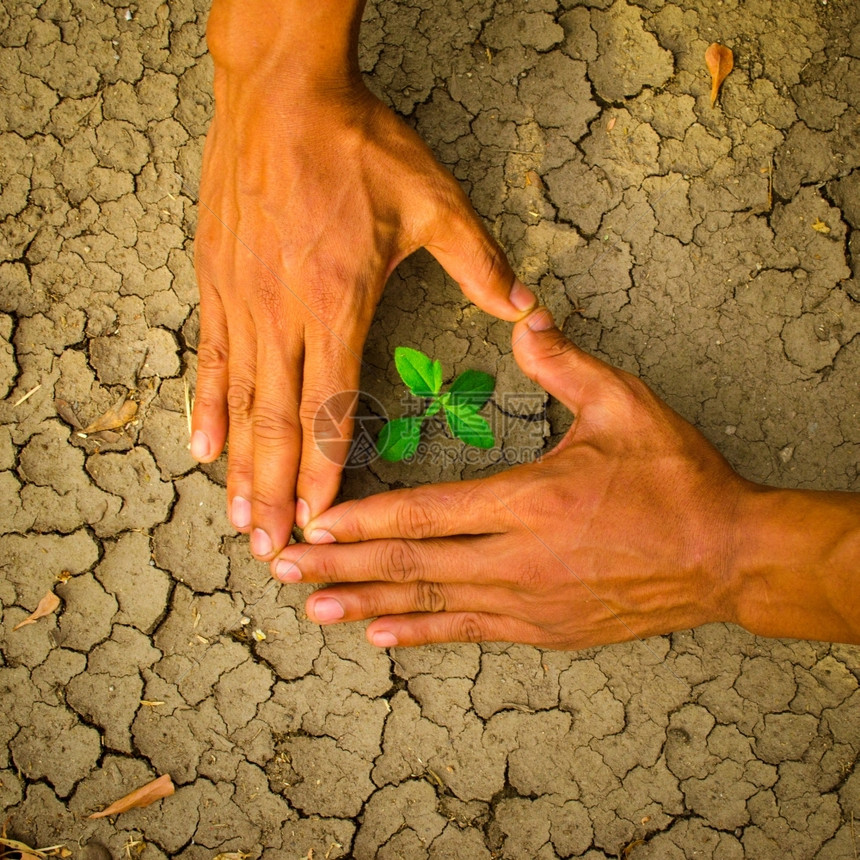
796 564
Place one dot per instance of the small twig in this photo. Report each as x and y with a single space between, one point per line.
95 104
28 395
133 843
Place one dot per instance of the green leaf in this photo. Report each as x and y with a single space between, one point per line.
435 406
437 376
399 438
422 376
472 387
461 410
472 428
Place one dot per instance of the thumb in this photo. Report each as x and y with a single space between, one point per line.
477 263
555 363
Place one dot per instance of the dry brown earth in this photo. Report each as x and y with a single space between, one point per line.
681 242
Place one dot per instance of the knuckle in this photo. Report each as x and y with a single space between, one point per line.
322 566
636 389
418 520
208 401
211 354
263 502
629 393
561 346
374 604
316 471
429 597
398 561
240 400
492 259
322 409
559 350
268 499
488 260
467 627
271 424
361 528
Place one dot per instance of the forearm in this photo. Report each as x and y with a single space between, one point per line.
797 568
296 43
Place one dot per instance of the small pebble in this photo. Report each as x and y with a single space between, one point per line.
786 453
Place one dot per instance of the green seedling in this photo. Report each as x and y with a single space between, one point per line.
399 438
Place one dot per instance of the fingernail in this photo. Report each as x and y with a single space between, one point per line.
319 536
240 512
383 640
522 298
261 543
541 320
287 571
303 513
199 445
327 609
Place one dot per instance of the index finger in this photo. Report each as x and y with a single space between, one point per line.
440 510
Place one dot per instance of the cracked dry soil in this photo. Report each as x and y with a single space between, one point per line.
673 239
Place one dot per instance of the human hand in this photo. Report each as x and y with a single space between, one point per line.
312 192
625 530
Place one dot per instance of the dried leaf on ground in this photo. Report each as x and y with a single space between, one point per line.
140 797
533 178
117 416
67 413
25 852
22 850
47 605
107 437
720 60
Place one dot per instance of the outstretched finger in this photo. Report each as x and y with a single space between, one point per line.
209 417
358 602
426 628
456 559
241 393
277 441
329 397
440 510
